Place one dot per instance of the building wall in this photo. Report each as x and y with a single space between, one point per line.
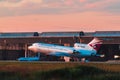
12 48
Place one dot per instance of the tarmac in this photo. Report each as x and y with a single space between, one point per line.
99 62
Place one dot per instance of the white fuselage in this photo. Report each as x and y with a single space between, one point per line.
79 50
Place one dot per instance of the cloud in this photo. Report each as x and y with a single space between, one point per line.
17 3
110 6
18 7
25 7
82 0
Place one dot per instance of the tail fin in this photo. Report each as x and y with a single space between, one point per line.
95 44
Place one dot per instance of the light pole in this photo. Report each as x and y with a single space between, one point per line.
25 50
81 33
4 52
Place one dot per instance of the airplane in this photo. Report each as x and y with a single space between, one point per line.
79 50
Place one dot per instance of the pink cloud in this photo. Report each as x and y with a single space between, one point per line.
68 2
82 0
100 4
52 5
14 4
27 7
87 21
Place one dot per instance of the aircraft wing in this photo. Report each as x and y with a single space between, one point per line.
59 54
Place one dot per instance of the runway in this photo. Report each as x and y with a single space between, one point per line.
53 62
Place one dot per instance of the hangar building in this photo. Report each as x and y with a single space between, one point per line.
14 45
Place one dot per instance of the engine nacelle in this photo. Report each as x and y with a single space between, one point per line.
76 45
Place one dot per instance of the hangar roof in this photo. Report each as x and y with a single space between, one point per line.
16 34
58 34
61 34
90 34
64 34
107 33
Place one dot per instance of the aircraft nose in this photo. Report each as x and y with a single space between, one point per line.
32 48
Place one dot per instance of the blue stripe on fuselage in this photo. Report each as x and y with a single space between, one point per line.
53 46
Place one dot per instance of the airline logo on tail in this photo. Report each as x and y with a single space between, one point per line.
95 44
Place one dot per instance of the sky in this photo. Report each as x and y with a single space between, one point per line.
59 15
